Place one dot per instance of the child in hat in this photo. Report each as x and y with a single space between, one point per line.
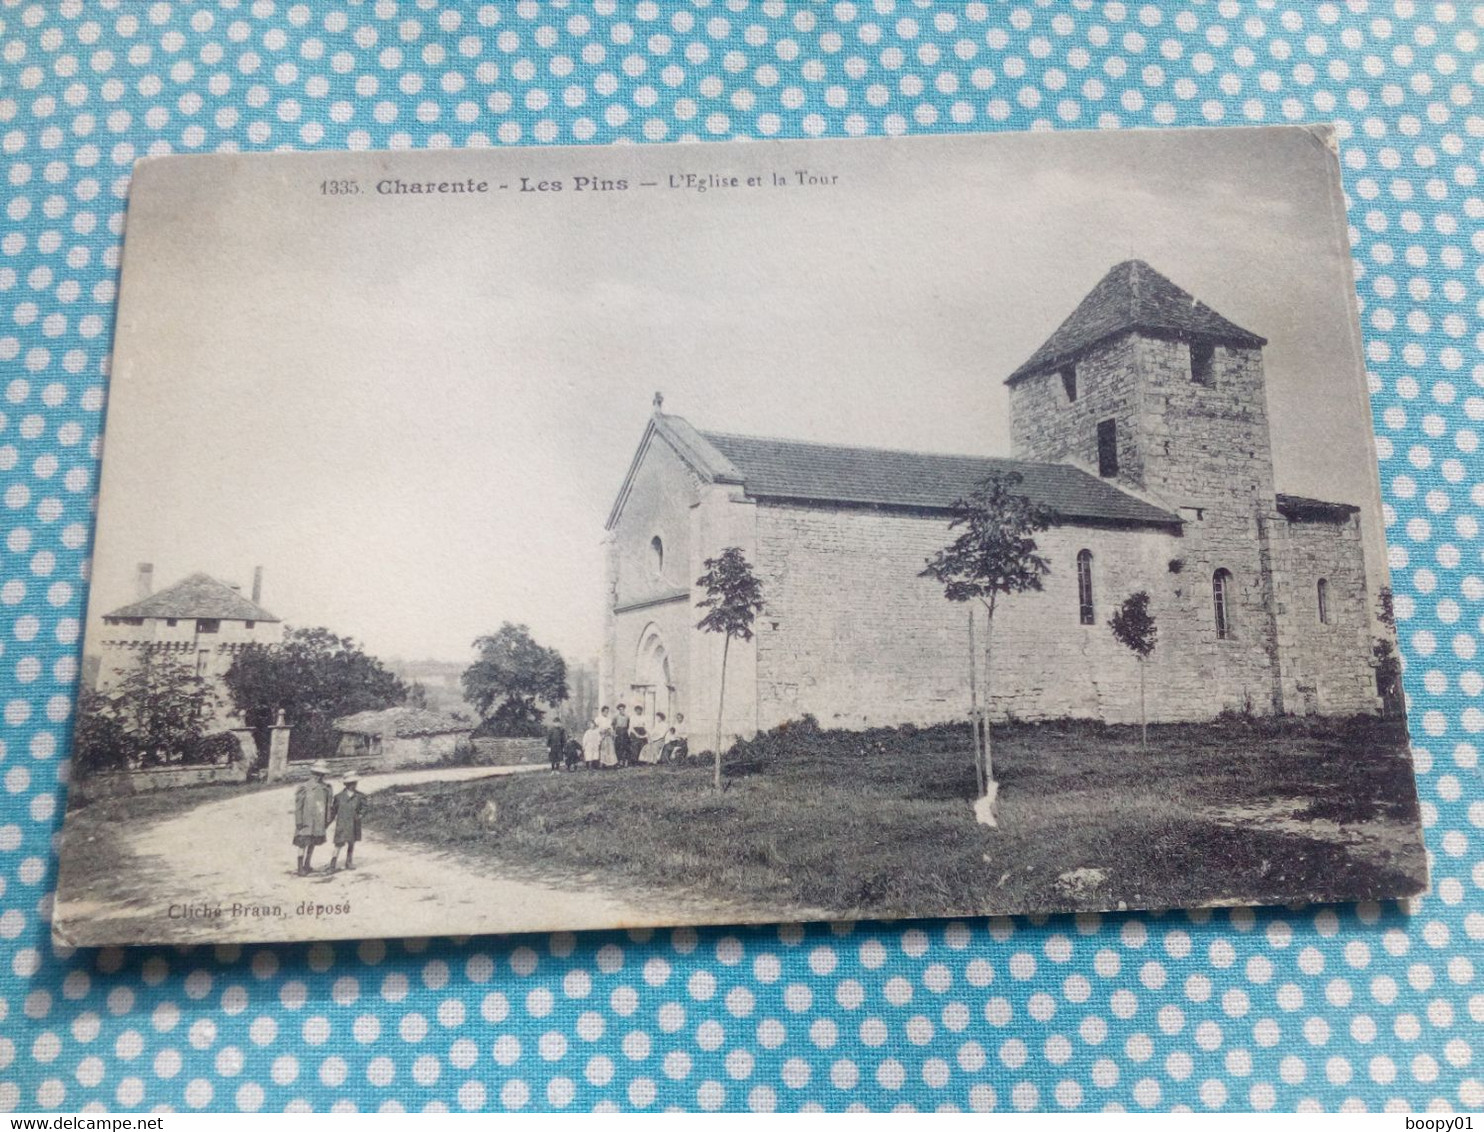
312 804
350 806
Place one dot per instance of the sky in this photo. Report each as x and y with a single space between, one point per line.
415 411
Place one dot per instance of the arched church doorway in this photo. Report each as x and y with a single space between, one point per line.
654 683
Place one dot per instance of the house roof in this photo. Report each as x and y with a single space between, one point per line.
1132 296
803 471
199 595
1301 508
400 723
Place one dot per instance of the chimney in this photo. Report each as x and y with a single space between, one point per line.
144 582
257 584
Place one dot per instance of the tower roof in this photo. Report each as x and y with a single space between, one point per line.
1133 296
199 595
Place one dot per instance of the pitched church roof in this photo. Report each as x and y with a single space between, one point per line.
832 473
199 595
1132 296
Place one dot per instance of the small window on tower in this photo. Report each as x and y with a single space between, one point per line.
1323 595
1203 363
1069 382
656 555
1107 448
1221 597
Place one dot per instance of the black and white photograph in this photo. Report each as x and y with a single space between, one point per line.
576 538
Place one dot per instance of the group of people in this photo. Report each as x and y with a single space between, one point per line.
318 810
620 739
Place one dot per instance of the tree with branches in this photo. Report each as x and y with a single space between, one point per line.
734 597
511 679
314 676
157 714
994 556
1133 626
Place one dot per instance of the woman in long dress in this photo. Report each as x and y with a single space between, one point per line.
650 755
607 752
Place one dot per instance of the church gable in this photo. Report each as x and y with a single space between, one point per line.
650 525
700 458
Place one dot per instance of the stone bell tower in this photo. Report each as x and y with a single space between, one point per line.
1147 386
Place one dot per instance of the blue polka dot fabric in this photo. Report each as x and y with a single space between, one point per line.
1353 1008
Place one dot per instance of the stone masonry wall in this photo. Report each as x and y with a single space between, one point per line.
1325 665
1205 446
851 634
1208 456
1045 425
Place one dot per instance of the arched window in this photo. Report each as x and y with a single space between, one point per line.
1221 586
1322 592
1084 588
657 555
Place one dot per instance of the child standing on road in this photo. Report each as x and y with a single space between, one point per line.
346 812
312 808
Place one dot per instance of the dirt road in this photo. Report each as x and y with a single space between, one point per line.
224 872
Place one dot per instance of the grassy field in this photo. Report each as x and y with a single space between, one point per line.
878 824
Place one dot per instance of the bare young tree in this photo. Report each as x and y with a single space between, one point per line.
994 556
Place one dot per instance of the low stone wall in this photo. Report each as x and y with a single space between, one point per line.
487 752
299 771
509 752
118 784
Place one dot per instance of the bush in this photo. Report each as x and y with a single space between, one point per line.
212 750
99 741
784 739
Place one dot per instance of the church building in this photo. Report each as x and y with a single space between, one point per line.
1141 422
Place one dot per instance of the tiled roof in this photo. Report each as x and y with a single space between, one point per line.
830 473
400 722
1301 507
1133 296
200 595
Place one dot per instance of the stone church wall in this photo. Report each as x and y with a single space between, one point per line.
1325 665
852 635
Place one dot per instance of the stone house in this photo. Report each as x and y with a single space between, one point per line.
198 621
1142 422
399 736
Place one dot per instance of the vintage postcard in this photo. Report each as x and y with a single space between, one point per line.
536 539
